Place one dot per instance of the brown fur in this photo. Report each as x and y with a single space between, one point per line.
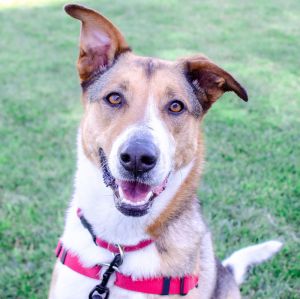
96 52
100 126
101 44
106 65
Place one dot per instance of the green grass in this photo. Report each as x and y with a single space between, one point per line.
250 190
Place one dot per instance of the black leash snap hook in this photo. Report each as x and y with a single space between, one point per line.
101 291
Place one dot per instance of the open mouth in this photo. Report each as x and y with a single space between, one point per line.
136 198
132 198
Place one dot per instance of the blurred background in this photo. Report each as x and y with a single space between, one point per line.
250 191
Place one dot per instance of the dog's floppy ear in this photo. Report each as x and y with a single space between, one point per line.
210 81
100 41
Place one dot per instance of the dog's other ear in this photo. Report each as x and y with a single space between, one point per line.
100 41
210 81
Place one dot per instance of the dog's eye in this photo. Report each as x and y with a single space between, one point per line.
114 99
176 106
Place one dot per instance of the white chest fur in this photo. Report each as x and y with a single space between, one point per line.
96 202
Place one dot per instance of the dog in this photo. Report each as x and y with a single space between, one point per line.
134 228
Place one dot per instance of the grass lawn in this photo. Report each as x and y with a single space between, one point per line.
250 190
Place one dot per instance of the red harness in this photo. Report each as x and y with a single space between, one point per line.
158 285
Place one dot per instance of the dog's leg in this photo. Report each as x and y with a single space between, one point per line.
53 282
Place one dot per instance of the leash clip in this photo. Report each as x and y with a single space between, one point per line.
101 291
121 257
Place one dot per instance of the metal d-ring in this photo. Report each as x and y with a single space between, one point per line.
104 264
121 253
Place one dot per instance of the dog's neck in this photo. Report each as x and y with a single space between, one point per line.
97 203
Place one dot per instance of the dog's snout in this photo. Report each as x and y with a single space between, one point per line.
139 156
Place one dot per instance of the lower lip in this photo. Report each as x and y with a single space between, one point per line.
133 210
132 202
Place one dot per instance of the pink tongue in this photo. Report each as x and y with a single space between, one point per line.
134 191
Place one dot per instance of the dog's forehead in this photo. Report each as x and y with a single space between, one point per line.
147 64
151 66
148 73
148 68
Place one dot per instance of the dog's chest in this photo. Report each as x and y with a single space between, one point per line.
70 284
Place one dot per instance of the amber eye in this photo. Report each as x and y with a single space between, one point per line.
114 99
176 106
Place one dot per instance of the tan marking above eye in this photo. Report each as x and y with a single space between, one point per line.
176 106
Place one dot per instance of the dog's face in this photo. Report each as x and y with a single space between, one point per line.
144 115
142 112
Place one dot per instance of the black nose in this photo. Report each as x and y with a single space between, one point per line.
138 156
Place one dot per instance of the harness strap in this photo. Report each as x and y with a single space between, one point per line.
158 285
72 261
106 245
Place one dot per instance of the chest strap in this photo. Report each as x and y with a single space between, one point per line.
106 245
157 285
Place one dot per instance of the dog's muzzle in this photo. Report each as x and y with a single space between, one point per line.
134 189
137 157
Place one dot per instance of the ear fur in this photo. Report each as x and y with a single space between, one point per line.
210 81
100 41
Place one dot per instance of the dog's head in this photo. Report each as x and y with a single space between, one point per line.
144 113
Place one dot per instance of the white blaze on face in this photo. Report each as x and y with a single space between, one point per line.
151 125
162 138
114 159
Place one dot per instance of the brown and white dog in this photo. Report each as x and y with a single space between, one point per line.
140 154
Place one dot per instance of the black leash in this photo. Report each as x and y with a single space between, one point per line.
101 291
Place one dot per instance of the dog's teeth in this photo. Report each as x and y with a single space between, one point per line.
126 201
138 203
